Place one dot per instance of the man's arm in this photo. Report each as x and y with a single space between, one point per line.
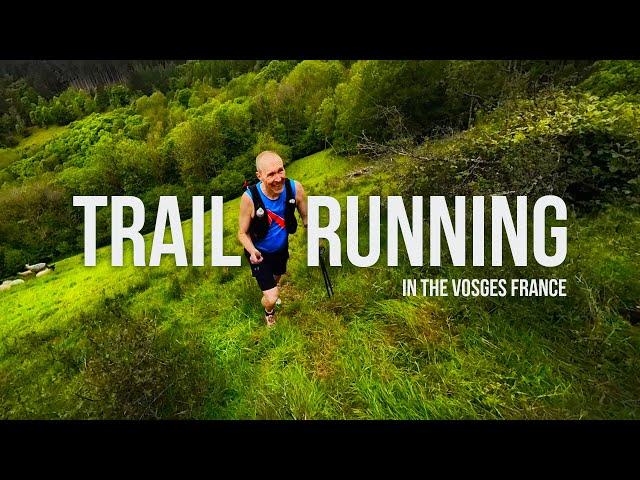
246 212
301 203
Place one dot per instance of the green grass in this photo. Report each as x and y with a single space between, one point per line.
108 342
38 136
7 157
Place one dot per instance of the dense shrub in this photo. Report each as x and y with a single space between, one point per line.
37 221
577 146
614 77
375 89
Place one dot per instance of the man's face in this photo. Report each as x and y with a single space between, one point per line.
272 174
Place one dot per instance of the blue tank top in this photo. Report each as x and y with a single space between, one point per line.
276 237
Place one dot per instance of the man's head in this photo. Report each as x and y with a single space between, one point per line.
270 169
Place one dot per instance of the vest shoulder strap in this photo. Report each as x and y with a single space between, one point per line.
255 196
287 184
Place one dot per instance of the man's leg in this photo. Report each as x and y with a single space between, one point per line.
280 269
263 273
269 299
277 280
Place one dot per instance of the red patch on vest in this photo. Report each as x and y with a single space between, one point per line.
275 218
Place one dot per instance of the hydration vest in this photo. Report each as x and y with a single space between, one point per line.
260 221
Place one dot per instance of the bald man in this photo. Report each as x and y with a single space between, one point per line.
267 217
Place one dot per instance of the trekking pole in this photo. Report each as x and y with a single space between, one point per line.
328 282
325 273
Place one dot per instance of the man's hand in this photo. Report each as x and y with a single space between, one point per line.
256 256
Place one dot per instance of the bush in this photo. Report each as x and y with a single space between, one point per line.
614 77
228 184
37 221
123 165
375 88
198 148
578 147
70 105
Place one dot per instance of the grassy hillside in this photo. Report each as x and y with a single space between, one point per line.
169 342
36 139
39 136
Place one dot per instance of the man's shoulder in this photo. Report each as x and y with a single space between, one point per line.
297 186
248 190
246 197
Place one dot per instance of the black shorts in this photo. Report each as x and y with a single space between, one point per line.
272 264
